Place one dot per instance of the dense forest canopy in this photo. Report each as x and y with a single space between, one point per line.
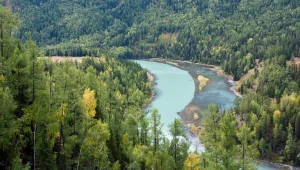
78 115
90 114
228 33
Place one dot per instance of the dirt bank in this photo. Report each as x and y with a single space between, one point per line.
59 59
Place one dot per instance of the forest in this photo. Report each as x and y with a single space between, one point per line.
78 115
220 32
50 112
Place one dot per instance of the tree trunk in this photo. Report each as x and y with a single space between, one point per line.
243 157
74 130
1 43
34 162
32 79
2 37
175 133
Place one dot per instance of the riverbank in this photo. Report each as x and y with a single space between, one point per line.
191 115
151 78
217 69
61 59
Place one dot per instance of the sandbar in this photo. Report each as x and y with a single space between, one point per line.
203 81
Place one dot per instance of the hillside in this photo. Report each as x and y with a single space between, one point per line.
228 33
51 111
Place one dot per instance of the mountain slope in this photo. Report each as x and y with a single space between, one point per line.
228 33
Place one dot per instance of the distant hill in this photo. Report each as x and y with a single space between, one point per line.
228 33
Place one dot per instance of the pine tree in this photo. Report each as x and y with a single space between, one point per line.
289 148
178 147
248 147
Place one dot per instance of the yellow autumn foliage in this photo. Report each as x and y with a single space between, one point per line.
63 110
89 102
293 100
125 139
277 112
254 117
192 162
276 116
2 78
119 97
102 59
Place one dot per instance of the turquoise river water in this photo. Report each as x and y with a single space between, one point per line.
175 89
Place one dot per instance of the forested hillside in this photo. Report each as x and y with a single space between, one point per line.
78 115
227 33
44 118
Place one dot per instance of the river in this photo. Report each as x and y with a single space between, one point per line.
175 89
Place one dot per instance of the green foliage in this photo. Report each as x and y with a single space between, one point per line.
276 123
228 33
44 98
94 152
156 129
179 147
8 24
17 165
248 146
79 115
262 146
226 146
290 144
273 80
11 140
228 140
